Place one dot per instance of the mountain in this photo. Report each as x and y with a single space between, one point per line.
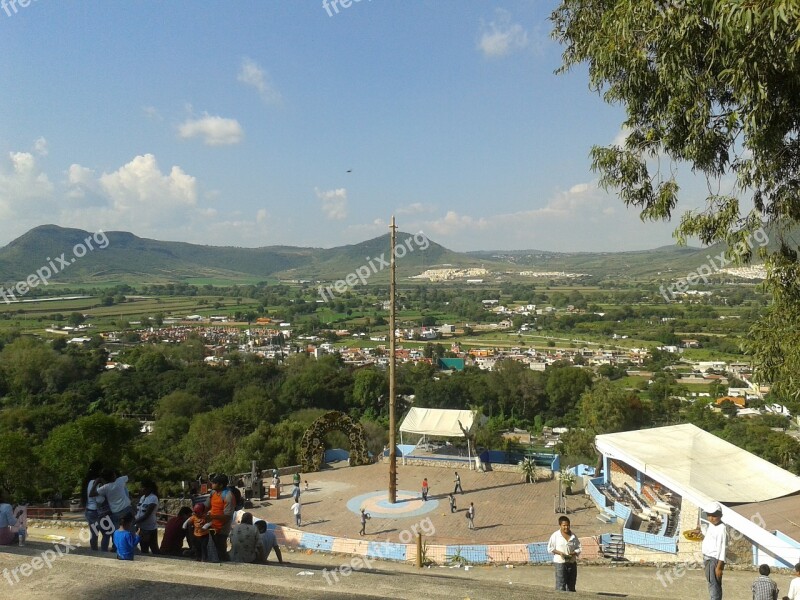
120 256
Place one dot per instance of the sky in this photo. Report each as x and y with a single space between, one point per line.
285 122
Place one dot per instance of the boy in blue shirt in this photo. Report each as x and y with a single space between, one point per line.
124 539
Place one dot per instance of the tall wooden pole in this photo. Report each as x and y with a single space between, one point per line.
392 389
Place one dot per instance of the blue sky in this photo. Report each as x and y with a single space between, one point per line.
236 123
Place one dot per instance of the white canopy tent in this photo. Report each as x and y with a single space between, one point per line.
439 422
703 469
699 464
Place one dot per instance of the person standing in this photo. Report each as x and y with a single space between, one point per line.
713 548
457 488
763 587
794 587
296 508
7 521
471 516
425 489
221 506
452 500
364 517
114 489
94 505
565 548
146 517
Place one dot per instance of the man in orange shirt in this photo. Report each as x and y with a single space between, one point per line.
221 506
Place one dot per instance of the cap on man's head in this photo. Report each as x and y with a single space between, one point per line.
715 508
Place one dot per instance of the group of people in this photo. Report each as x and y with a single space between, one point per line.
451 497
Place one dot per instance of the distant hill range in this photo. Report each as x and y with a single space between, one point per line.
131 259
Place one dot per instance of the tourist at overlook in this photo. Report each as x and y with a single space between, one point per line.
268 541
114 490
7 521
246 544
565 548
713 549
221 506
199 523
146 517
174 533
125 540
794 586
763 587
97 510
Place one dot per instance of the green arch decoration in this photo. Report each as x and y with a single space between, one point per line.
313 449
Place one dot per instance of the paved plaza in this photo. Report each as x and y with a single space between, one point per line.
507 510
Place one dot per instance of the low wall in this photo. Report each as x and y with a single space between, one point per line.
535 552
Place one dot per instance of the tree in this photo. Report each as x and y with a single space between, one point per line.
606 409
712 84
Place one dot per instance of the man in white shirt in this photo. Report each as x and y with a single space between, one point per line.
794 587
713 548
565 548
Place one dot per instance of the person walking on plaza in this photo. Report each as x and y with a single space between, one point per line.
296 508
457 488
452 500
565 548
763 587
713 548
471 516
794 586
364 517
425 489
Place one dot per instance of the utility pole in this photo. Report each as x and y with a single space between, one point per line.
392 390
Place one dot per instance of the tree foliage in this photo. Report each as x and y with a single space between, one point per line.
712 84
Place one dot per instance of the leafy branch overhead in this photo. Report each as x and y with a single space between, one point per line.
713 84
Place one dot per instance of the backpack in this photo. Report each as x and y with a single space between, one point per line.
238 501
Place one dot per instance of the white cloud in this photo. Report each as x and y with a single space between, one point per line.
40 147
250 73
152 113
215 131
140 183
501 36
415 209
262 215
334 203
25 191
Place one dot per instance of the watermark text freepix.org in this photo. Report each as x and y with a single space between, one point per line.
98 240
425 527
335 4
11 7
723 260
60 549
379 263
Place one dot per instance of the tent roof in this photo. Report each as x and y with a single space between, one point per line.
699 465
437 421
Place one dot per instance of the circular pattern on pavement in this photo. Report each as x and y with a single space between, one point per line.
409 504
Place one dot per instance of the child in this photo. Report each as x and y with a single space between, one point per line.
296 510
201 525
306 487
452 500
125 540
763 587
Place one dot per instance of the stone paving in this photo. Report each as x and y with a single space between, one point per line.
506 509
